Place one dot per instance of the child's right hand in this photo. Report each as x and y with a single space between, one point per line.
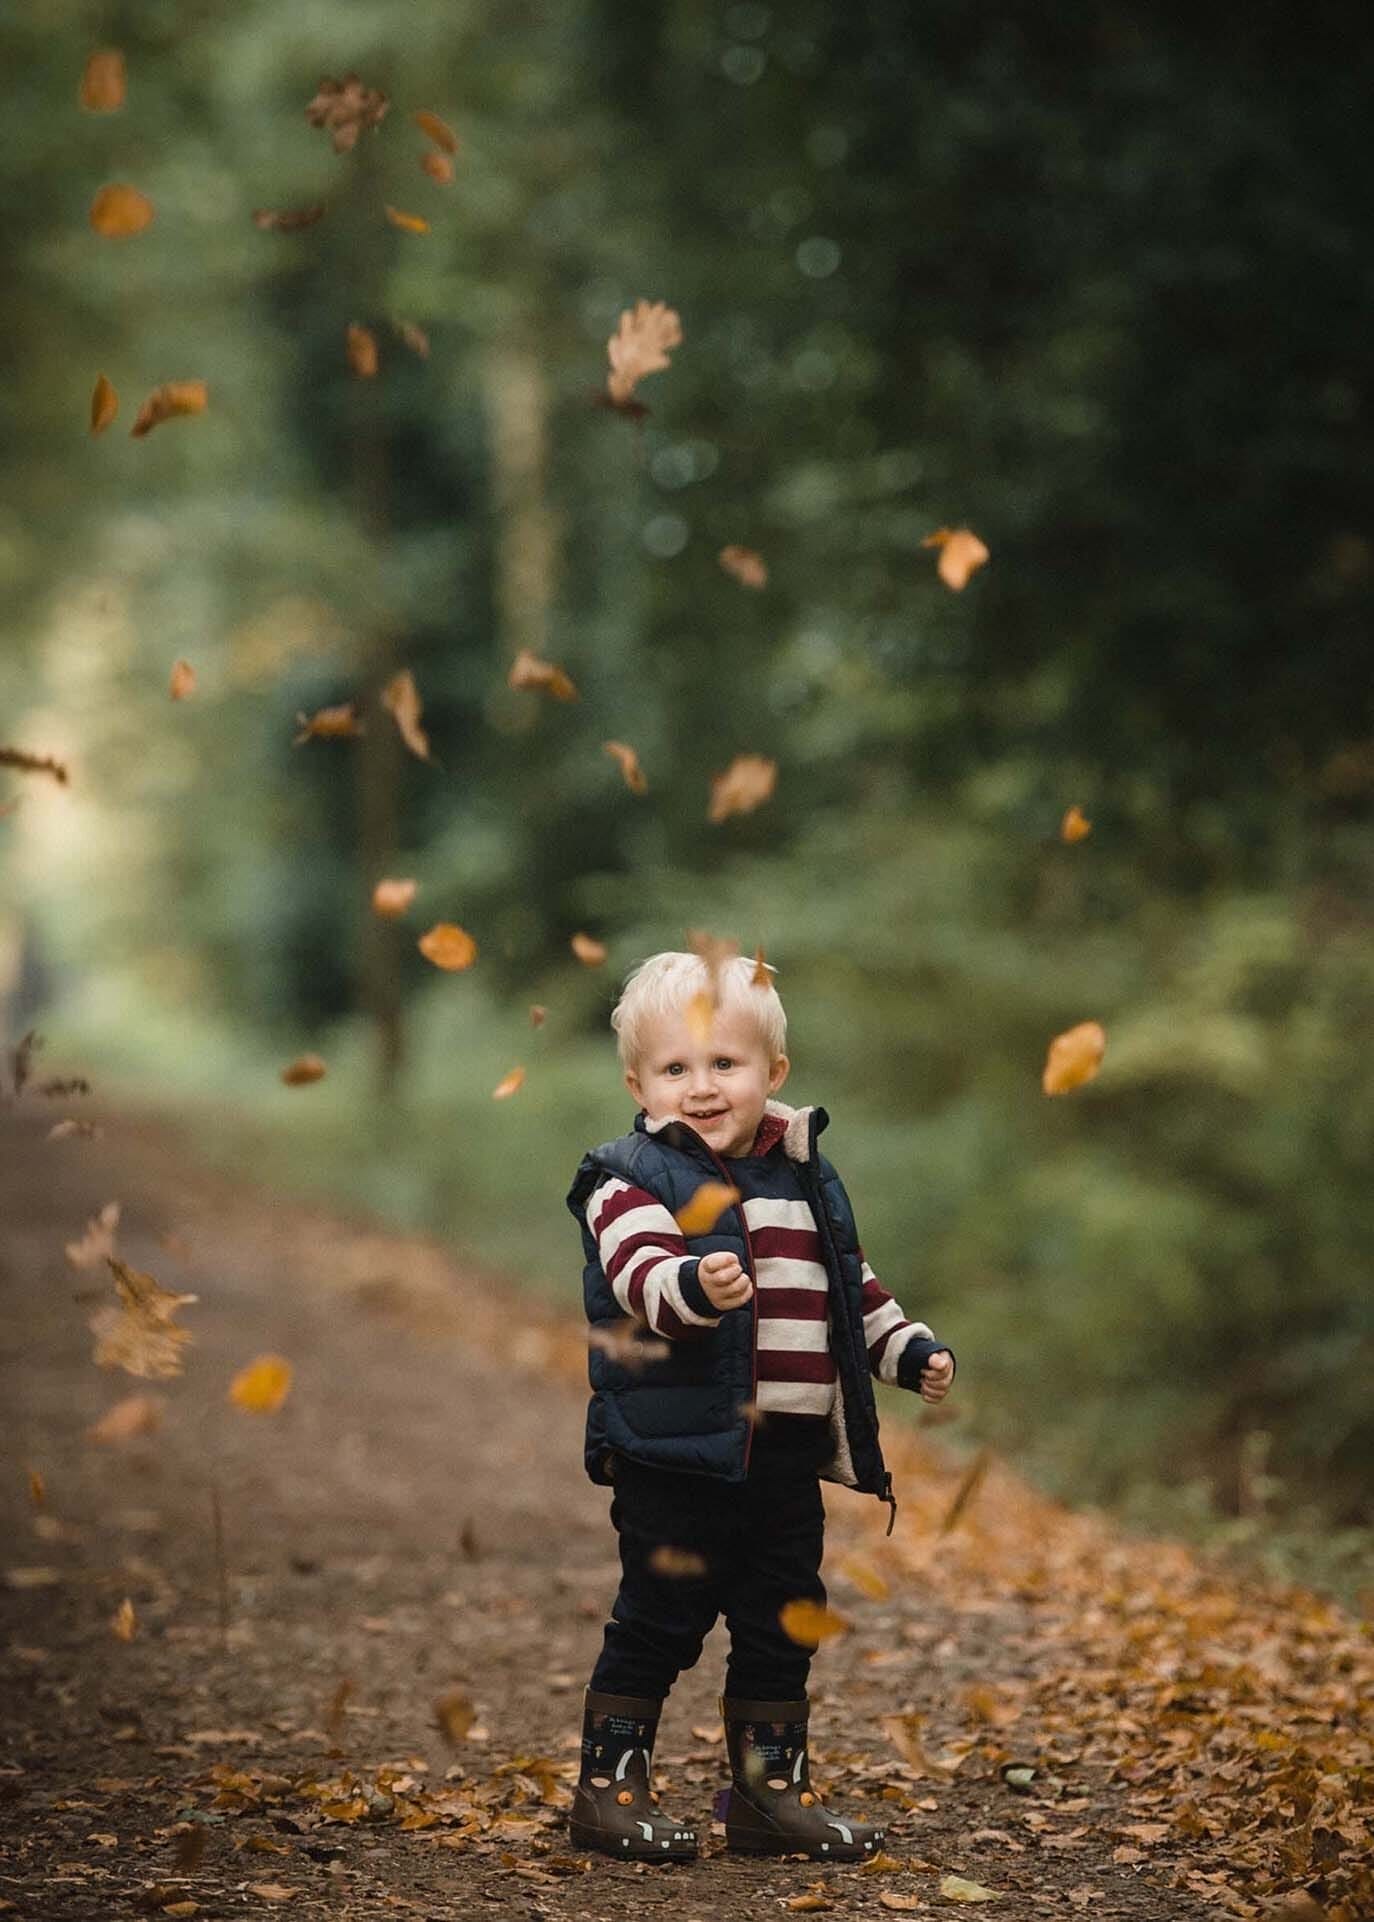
724 1282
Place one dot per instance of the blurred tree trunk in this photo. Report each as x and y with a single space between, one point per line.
518 417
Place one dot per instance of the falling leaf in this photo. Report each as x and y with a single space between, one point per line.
640 346
64 1130
700 1014
961 554
360 346
438 130
273 1891
628 762
126 1420
347 108
392 898
124 1623
329 724
903 1904
172 401
401 698
38 1488
104 405
810 1623
34 764
408 223
762 977
509 1085
287 220
303 1070
334 1714
679 1564
590 952
439 168
538 1015
621 1342
970 1482
745 785
528 671
448 946
103 81
183 681
97 1244
865 1578
744 565
415 338
140 1335
904 1732
262 1386
1074 1057
454 1715
706 1207
957 1888
119 210
1075 825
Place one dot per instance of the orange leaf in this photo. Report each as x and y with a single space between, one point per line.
961 554
538 1015
329 724
448 946
124 1623
904 1732
38 1488
454 1714
809 1902
640 346
104 405
102 82
745 785
262 1386
392 898
528 671
509 1085
706 1207
628 762
183 682
700 1014
678 1564
288 220
1075 825
590 953
303 1070
439 168
865 1578
1074 1057
438 130
119 210
408 223
361 349
401 698
762 977
903 1904
273 1891
747 567
168 402
140 1335
125 1420
810 1623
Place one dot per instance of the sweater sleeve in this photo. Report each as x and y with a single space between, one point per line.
644 1256
898 1349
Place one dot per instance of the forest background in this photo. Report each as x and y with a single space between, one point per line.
1094 281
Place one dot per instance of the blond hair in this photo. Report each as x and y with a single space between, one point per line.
665 983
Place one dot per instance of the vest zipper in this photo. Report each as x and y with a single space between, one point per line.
753 1304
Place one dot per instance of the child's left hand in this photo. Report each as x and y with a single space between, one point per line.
937 1375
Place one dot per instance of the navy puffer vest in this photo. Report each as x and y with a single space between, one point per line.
687 1409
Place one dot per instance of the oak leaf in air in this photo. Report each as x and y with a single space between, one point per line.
360 348
509 1084
124 1623
346 108
745 566
589 951
119 211
104 404
408 223
125 1420
303 1070
961 555
174 400
628 762
743 786
640 346
1074 1057
140 1335
103 81
810 1623
287 220
448 946
390 899
329 723
98 1242
709 1202
262 1386
182 682
528 671
401 699
438 130
1075 825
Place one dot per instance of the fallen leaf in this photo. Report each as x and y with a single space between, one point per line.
329 723
969 1483
125 1420
119 210
140 1335
183 681
745 785
880 1864
904 1904
103 81
262 1386
173 400
744 565
104 404
408 223
98 1242
961 554
124 1623
590 952
509 1085
640 346
1075 825
439 168
528 671
287 220
188 1907
392 898
360 347
538 1015
347 108
1074 1057
448 946
712 1732
438 130
454 1715
678 1564
808 1903
303 1070
401 699
273 1891
707 1205
628 762
810 1623
957 1888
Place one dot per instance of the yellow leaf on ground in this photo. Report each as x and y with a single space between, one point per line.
589 951
303 1070
401 699
329 723
438 130
119 210
360 347
961 555
140 1335
183 681
171 401
392 898
262 1386
1074 1057
135 1415
744 565
745 785
528 671
509 1085
640 346
104 404
810 1623
448 946
408 223
628 762
706 1207
103 81
957 1888
1075 825
124 1623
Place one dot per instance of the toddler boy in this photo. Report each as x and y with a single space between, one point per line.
732 1371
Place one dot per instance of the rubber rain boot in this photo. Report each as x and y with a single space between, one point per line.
771 1807
614 1807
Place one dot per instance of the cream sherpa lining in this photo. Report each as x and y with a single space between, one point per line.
796 1142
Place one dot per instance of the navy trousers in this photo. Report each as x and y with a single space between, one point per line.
693 1548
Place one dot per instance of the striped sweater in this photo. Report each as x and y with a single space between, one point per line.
644 1255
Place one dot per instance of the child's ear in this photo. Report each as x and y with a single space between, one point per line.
778 1073
632 1083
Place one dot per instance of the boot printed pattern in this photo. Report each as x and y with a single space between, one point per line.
614 1807
772 1808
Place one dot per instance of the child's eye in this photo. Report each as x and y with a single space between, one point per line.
673 1067
724 1061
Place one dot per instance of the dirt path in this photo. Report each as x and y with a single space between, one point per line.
416 1520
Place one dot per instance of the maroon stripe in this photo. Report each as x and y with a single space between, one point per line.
873 1296
670 1323
795 1304
875 1349
632 1245
785 1364
785 1244
616 1205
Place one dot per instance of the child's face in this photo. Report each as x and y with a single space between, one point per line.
717 1086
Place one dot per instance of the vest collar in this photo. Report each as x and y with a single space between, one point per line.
797 1129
